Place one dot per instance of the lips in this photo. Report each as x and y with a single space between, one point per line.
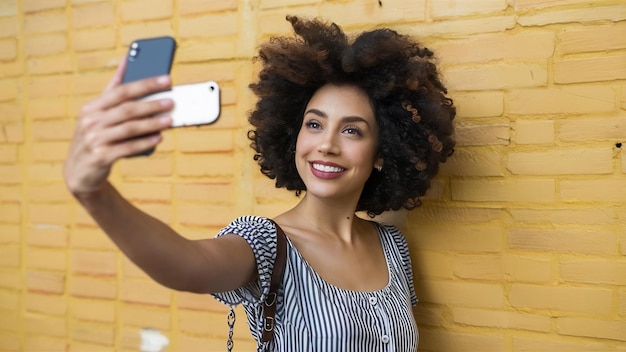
326 170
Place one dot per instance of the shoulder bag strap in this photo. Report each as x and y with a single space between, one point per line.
277 277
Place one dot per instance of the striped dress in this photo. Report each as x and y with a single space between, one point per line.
315 316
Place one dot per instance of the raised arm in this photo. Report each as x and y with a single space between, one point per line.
114 126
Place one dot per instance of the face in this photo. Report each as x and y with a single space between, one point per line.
337 143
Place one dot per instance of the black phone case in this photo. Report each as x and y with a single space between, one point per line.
149 57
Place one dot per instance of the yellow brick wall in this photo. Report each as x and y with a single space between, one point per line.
521 243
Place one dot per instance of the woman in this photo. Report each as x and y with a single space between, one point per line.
356 125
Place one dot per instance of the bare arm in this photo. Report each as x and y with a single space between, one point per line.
114 126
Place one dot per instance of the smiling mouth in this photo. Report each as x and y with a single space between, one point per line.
327 168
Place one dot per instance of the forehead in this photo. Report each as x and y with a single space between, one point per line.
342 100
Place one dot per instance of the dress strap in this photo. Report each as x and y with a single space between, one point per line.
277 277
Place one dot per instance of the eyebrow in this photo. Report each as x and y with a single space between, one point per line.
343 119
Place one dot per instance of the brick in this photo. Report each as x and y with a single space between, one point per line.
145 10
578 15
79 346
587 129
11 280
526 344
534 132
479 104
501 319
205 214
93 310
201 302
131 32
203 140
574 40
480 267
93 333
588 216
10 256
461 28
8 27
56 214
90 238
596 328
11 69
474 162
47 236
155 165
8 49
145 316
10 90
45 259
564 240
456 237
210 25
201 323
52 326
601 272
519 190
454 8
10 213
432 265
39 87
8 319
53 192
10 194
10 174
497 76
8 154
91 83
219 72
10 112
365 12
45 22
96 263
272 4
8 8
202 51
46 304
41 343
561 298
147 191
187 7
35 5
594 69
622 302
47 44
130 270
50 65
163 212
205 165
47 108
9 233
93 15
93 287
442 340
217 193
577 100
145 292
562 162
47 282
598 190
96 60
447 214
469 134
93 39
49 152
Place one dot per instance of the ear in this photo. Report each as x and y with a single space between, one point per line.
378 163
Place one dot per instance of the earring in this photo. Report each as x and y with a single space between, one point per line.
379 168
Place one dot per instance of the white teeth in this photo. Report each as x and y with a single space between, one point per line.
326 168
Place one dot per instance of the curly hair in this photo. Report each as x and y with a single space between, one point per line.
400 77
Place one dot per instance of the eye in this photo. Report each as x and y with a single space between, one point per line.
352 130
313 124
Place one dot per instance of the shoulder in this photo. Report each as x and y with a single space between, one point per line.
250 225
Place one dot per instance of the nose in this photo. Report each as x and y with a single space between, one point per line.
328 144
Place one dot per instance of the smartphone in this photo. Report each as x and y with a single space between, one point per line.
149 57
194 104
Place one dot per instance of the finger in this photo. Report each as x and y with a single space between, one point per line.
129 147
135 110
131 91
116 80
122 133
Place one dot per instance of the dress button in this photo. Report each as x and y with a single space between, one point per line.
373 300
385 339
